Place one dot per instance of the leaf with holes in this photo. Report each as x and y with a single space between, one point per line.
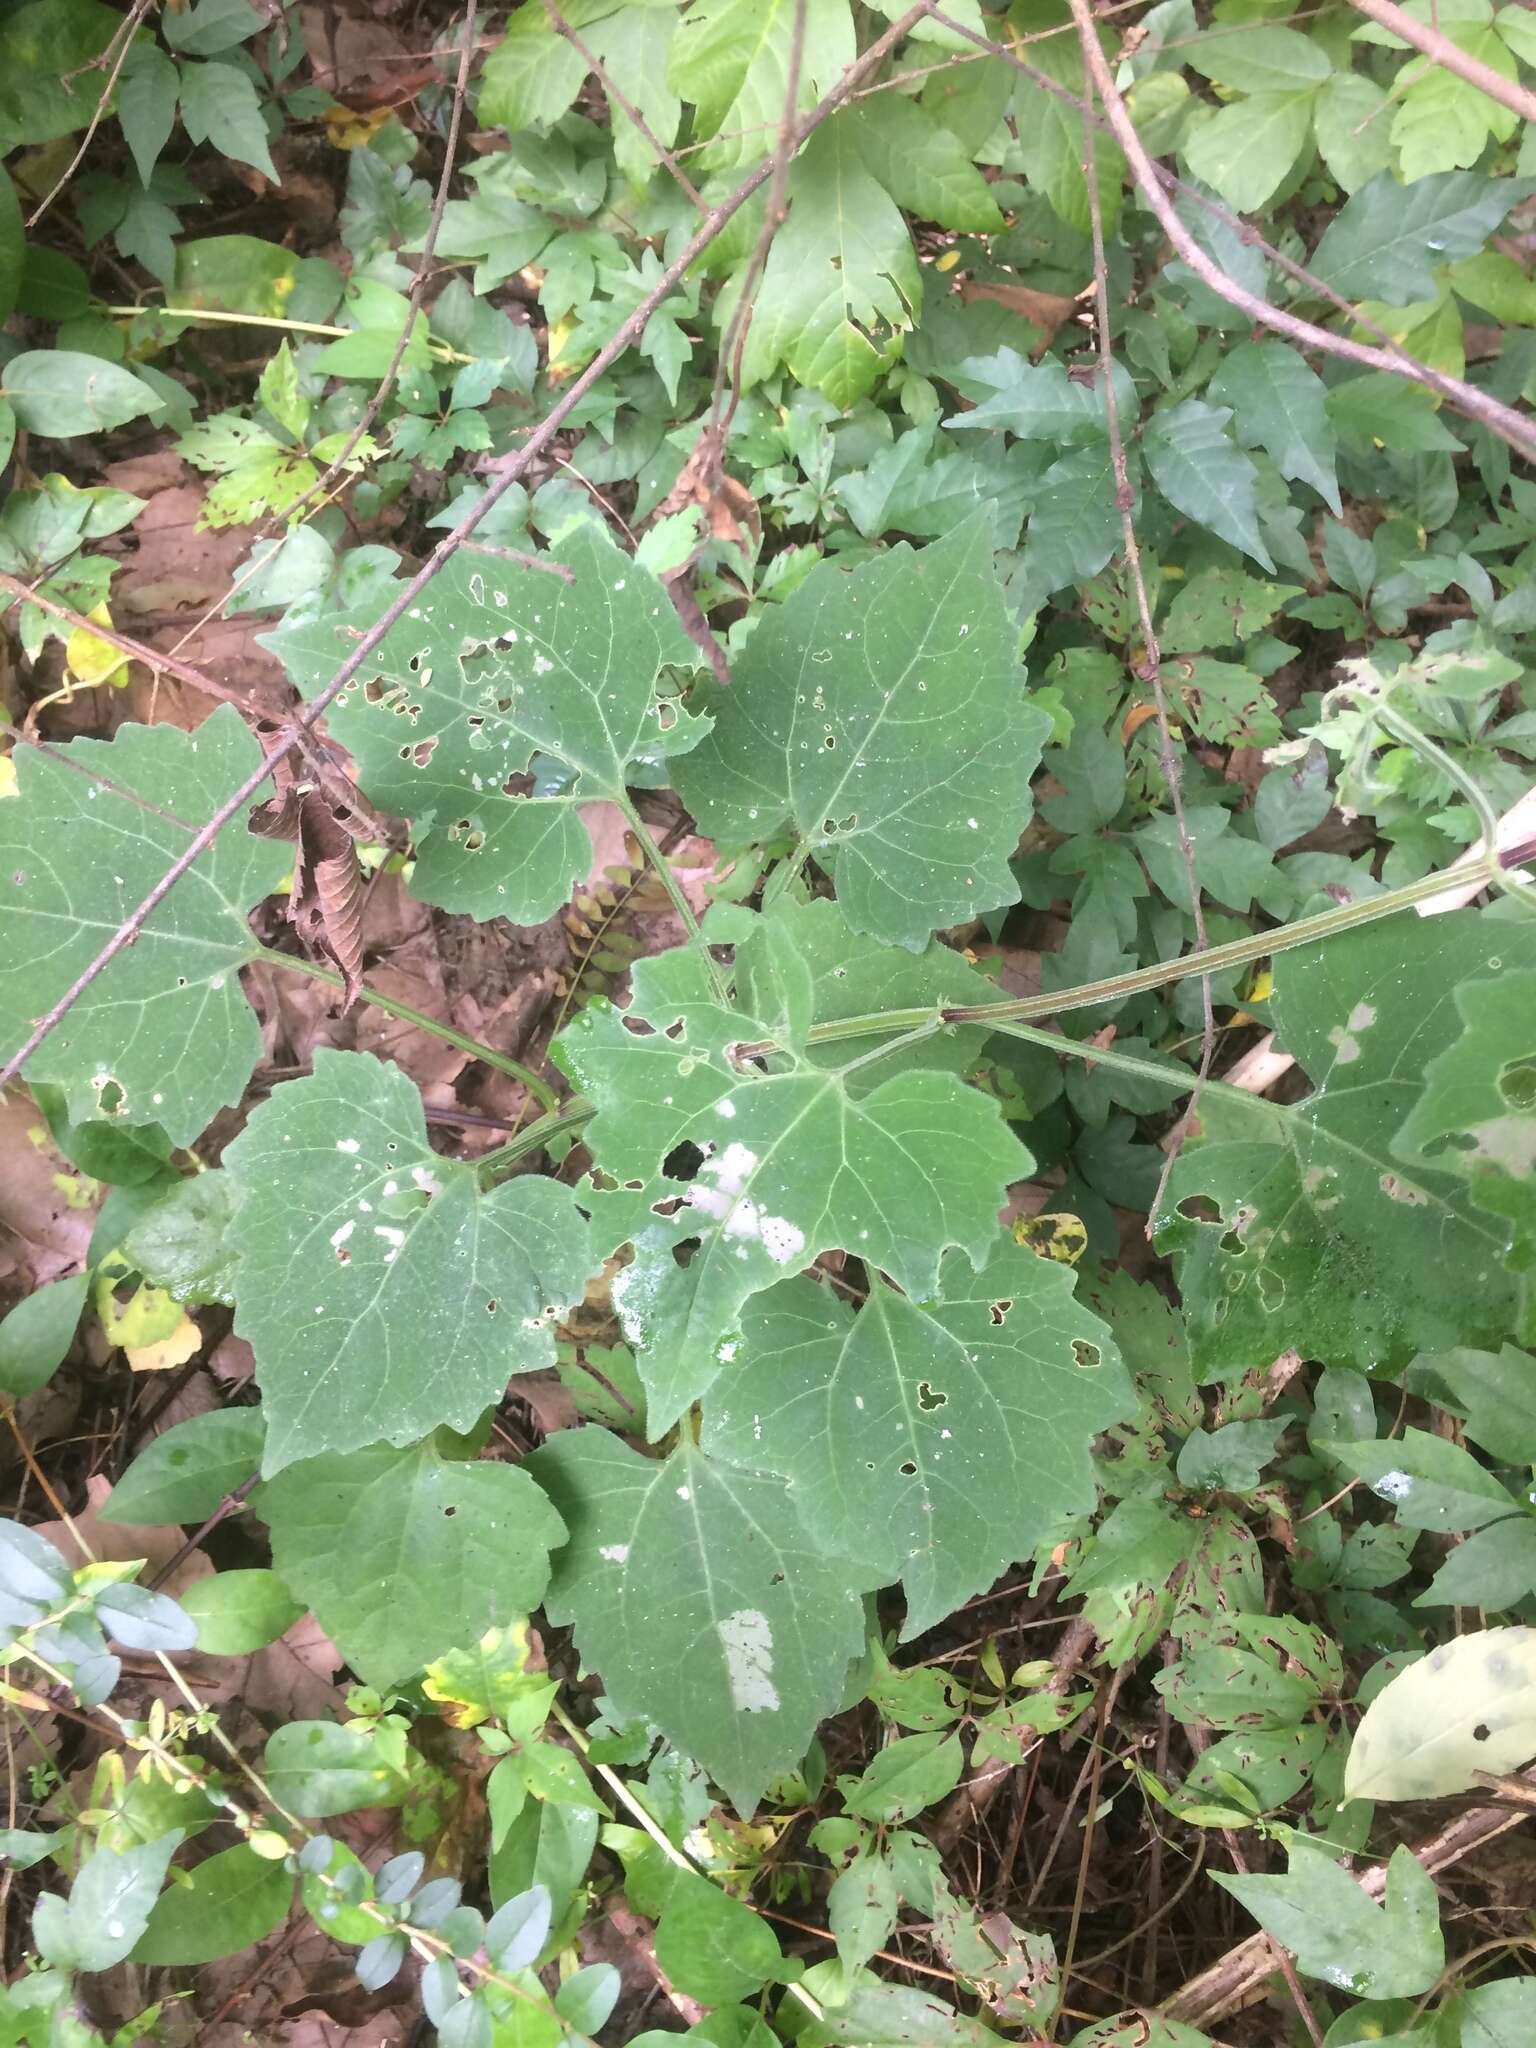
505 698
1302 1226
881 715
164 1035
705 1606
463 1547
788 1164
382 1291
942 1441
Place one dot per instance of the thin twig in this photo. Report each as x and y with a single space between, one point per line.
118 48
1432 42
626 106
1152 660
1511 427
629 333
183 671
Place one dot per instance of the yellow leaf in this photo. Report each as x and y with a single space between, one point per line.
7 776
184 1342
91 660
1060 1238
345 129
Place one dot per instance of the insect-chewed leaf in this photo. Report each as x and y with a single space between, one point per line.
791 1164
882 715
697 1594
498 663
940 1440
1469 1706
1326 1239
382 1291
164 1034
462 1545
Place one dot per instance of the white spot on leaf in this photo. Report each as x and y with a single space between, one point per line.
748 1644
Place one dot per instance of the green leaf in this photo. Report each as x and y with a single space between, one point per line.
793 1164
110 1901
1339 1933
37 1333
164 1034
1049 129
907 1776
732 59
941 1441
186 1471
49 83
1386 241
1494 1390
463 1547
13 263
1430 1482
219 105
713 1947
1501 2014
879 713
234 1900
1203 473
381 1290
1493 1569
635 46
1352 136
695 1593
1040 401
842 284
1379 410
533 75
923 165
1324 1233
1074 525
318 1769
1248 149
146 104
1259 59
1445 122
1279 404
212 26
181 1240
1468 1707
891 2016
240 1611
1476 1116
60 392
498 664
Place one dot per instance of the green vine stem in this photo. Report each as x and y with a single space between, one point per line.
541 1091
675 890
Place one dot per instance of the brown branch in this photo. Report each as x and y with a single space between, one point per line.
1125 498
1240 1977
1434 43
627 107
1511 427
168 664
625 338
117 51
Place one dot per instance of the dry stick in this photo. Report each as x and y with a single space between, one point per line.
1125 498
627 107
183 671
118 48
1446 54
1509 426
1240 1977
449 545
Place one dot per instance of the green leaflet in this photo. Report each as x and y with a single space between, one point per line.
1248 149
792 1163
732 57
841 284
943 1440
881 714
1386 240
1202 473
1325 1232
462 1545
382 1291
704 1605
164 1035
1339 1933
499 663
1277 404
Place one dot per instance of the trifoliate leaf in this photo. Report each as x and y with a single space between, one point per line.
695 1593
1322 1233
496 664
1339 1933
1387 240
940 1440
463 1547
842 283
1203 473
882 715
382 1291
164 1035
1278 404
791 1163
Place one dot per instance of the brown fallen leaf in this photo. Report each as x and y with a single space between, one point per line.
319 812
1047 312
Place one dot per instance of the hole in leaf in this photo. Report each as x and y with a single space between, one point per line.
830 740
1200 1209
908 1469
677 1029
449 1513
1481 1732
490 1308
999 1311
1084 1353
110 1099
1517 1083
683 1161
928 1399
373 691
